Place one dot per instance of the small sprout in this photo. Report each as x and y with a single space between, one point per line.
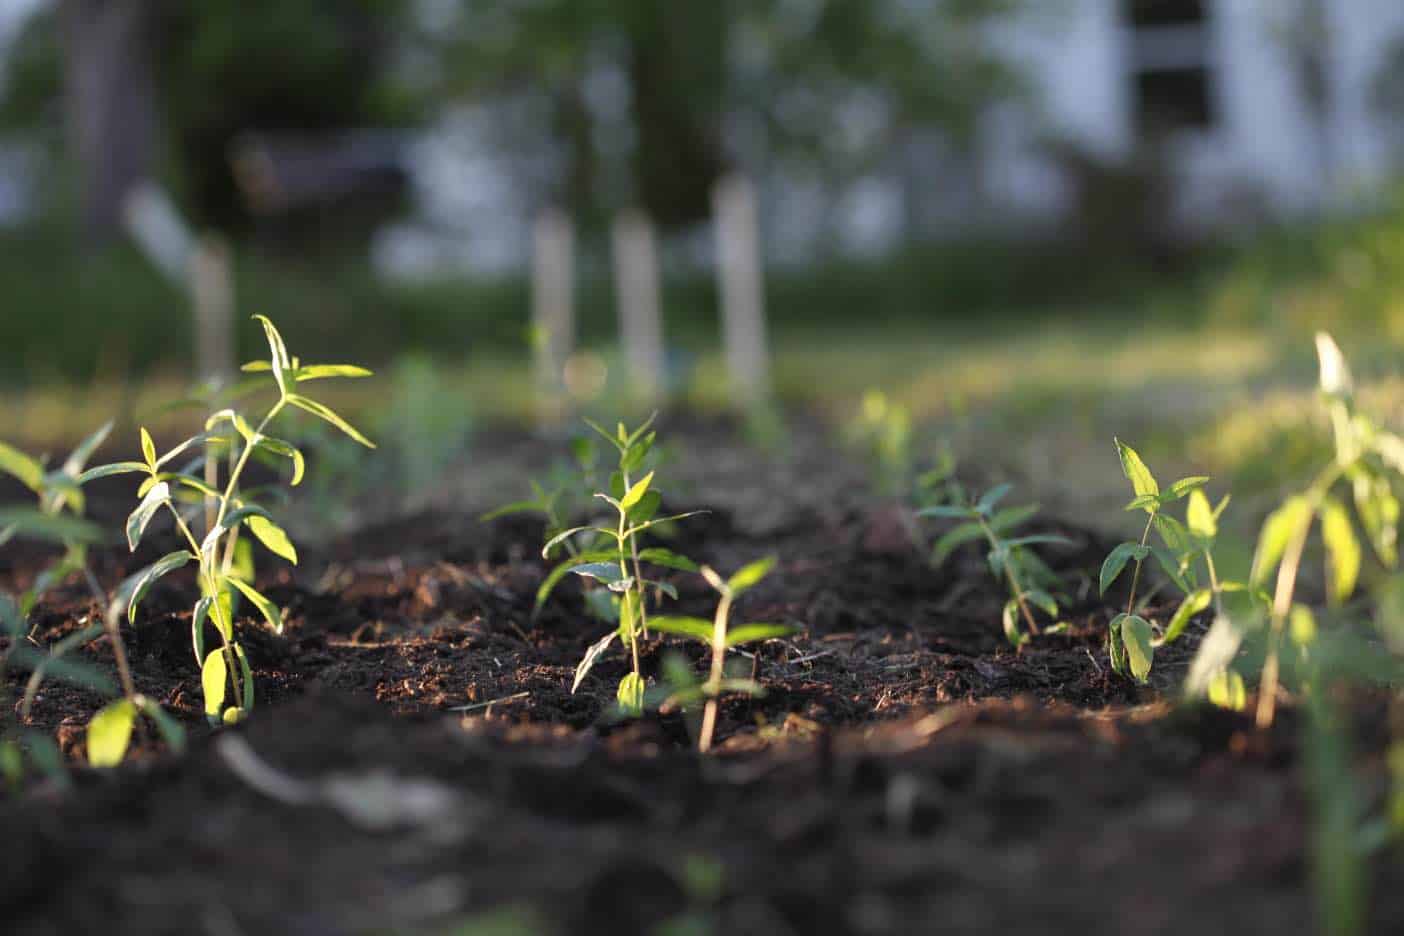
1011 558
720 637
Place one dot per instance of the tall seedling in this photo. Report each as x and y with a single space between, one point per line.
225 673
620 564
718 634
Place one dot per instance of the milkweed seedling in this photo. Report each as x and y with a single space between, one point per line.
619 566
1010 558
1369 460
720 637
1131 637
225 667
58 517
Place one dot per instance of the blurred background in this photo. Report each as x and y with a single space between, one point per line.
1026 224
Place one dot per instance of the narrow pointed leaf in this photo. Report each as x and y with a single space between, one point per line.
166 564
78 458
1194 603
990 498
1343 553
636 492
148 448
748 575
1282 526
323 371
755 632
322 411
1200 518
28 470
116 468
1142 481
668 559
694 627
214 679
273 537
265 607
953 538
582 669
1136 637
1116 561
140 518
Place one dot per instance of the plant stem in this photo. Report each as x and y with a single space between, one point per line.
713 688
1136 573
633 589
233 484
119 649
1014 585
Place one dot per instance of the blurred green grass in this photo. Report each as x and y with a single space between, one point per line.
1030 360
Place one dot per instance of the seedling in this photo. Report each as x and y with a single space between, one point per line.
221 579
1368 459
1010 558
882 429
619 566
58 517
720 638
1131 637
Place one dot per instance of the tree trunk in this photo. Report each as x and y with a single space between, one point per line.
110 105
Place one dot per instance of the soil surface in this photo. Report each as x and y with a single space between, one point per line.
417 762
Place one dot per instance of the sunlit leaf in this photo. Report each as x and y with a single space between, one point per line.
214 679
325 412
116 468
267 608
1301 625
148 448
1282 526
668 559
630 694
1142 481
1140 651
57 528
636 492
137 522
749 574
167 563
28 470
1200 518
273 537
322 371
1184 487
1343 552
755 632
78 459
110 732
582 669
1335 379
1227 691
694 627
1194 603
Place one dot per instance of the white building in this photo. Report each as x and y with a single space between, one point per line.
1273 104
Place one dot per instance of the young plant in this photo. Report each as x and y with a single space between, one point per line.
1026 575
1368 460
231 510
720 637
58 517
1131 637
619 565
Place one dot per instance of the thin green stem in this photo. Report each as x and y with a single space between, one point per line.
714 681
1136 573
1014 586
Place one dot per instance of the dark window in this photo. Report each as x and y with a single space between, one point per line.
1145 13
1173 99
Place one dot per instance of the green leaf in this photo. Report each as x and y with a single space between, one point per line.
953 538
1335 379
58 528
1042 600
116 468
197 627
668 559
753 633
78 459
214 679
1116 561
591 655
636 492
1037 539
265 607
1174 535
1343 552
630 694
563 569
1282 526
273 537
516 507
946 511
1142 481
28 470
607 572
167 563
564 535
1116 647
325 412
1301 625
1200 517
1005 520
287 450
1184 487
110 732
140 518
1176 568
749 574
1227 691
1009 619
640 527
277 353
247 674
990 498
646 508
1216 651
171 730
322 371
1140 652
1150 503
1378 510
148 449
1194 603
694 627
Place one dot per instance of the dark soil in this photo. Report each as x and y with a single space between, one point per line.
416 757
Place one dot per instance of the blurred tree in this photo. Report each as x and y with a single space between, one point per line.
141 80
649 101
